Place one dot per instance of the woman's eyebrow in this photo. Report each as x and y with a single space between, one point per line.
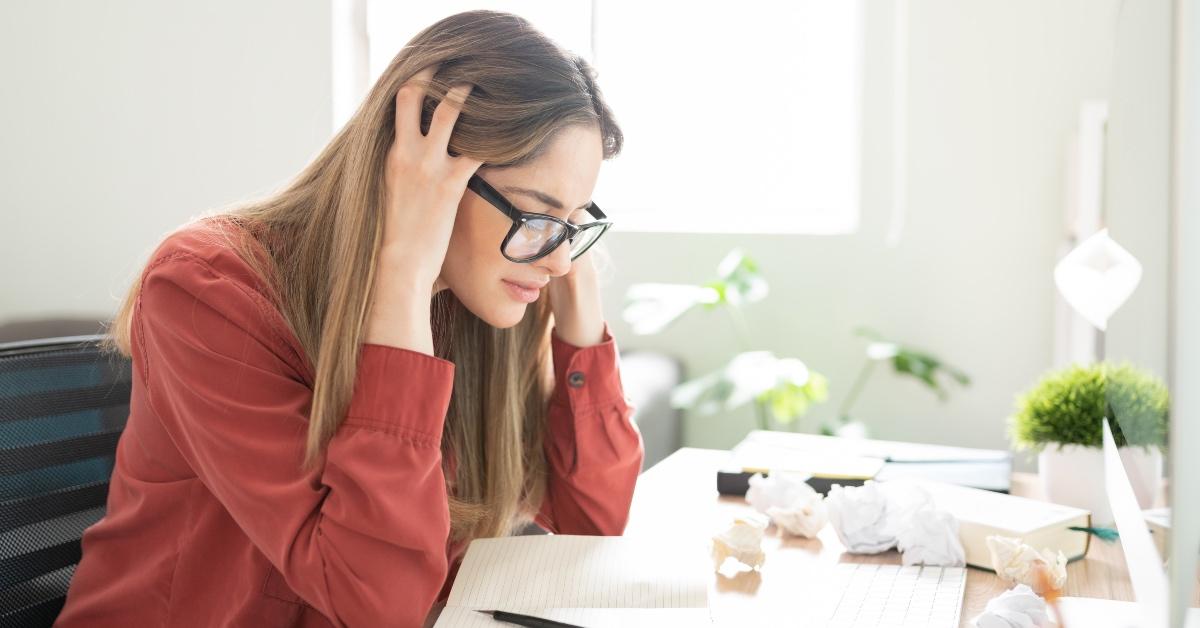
541 196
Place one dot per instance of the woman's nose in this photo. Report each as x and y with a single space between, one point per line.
558 262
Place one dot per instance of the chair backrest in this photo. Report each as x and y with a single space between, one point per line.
63 405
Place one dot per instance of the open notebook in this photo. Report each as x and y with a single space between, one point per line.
592 581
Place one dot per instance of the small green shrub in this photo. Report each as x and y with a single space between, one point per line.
1066 405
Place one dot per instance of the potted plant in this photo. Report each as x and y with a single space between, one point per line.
781 388
1060 419
921 365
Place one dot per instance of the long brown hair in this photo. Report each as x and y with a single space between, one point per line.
322 231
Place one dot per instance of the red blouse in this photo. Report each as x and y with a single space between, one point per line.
210 521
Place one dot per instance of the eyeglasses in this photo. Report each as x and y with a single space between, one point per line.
534 236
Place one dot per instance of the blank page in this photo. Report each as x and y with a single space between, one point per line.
1087 611
565 571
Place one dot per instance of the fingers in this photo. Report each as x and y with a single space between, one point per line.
466 167
409 98
445 116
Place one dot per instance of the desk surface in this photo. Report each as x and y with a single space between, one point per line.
678 497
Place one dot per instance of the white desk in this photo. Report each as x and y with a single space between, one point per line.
678 496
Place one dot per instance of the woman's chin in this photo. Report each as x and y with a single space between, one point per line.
518 314
505 317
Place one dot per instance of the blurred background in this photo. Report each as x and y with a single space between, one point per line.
887 182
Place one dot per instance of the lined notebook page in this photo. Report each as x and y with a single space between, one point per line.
566 571
458 617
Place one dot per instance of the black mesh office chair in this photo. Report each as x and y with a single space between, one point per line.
63 405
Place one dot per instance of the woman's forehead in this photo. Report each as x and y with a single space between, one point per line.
561 178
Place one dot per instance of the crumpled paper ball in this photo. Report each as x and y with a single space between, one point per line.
905 499
1018 607
1015 561
878 516
930 537
859 515
741 541
789 501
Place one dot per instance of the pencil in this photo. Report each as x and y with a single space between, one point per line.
1050 593
528 621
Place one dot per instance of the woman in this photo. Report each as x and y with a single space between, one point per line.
293 454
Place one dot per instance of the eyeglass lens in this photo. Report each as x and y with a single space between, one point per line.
537 235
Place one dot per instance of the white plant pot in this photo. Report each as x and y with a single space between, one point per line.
1074 476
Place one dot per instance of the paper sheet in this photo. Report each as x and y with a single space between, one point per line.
565 571
1085 611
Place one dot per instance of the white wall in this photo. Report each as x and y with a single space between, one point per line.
993 98
1136 182
123 120
120 120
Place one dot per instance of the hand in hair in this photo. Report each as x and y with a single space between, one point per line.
424 186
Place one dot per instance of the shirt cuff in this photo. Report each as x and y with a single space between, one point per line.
401 389
585 376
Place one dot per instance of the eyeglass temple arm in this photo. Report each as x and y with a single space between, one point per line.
489 193
485 189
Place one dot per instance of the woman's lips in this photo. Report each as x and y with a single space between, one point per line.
521 293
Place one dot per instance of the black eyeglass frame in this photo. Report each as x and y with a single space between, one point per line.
485 190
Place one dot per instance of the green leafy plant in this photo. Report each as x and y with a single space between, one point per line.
782 389
1066 407
925 367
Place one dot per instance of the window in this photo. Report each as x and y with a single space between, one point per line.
736 120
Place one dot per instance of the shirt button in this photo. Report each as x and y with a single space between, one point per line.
576 379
